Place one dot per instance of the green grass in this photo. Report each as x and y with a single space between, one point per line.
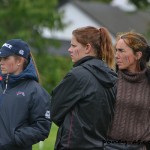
48 144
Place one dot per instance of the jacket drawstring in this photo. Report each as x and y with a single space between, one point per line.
6 84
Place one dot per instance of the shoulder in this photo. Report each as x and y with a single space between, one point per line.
77 75
148 74
78 71
35 87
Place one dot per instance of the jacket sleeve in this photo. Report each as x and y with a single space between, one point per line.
64 97
40 123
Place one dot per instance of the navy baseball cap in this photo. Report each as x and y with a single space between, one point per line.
15 46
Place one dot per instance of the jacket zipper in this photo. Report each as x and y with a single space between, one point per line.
6 84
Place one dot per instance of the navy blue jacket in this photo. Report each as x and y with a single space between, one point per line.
24 111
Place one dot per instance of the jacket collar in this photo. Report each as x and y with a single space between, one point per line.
84 59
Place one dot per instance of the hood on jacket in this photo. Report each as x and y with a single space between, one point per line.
101 71
28 73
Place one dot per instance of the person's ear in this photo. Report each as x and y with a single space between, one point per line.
88 48
138 55
20 61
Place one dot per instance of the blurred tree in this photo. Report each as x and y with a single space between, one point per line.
140 4
143 5
52 69
25 19
104 1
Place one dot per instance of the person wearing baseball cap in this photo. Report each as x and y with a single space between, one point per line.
15 46
24 103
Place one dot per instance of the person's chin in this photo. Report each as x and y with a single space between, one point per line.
3 72
121 67
73 61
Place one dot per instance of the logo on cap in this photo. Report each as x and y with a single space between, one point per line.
7 45
21 52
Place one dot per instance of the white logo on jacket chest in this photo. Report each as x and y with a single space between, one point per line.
20 93
47 114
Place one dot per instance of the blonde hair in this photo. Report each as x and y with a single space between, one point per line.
26 62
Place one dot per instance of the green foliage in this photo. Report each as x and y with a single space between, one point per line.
49 143
52 69
103 1
25 19
140 4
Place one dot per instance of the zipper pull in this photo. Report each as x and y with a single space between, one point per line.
6 84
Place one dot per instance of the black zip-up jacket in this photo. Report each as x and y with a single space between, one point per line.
24 111
83 105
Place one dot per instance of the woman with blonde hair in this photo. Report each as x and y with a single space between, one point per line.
24 104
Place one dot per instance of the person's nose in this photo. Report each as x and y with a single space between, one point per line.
69 49
2 61
116 54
